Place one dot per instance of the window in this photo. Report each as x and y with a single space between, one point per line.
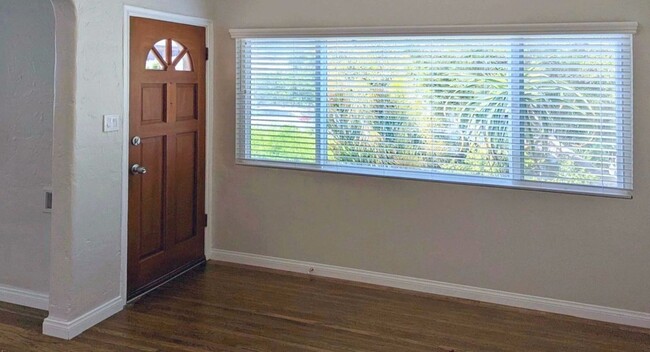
550 111
168 53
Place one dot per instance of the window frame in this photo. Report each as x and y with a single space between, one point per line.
517 179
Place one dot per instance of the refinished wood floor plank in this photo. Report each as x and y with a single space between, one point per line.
225 307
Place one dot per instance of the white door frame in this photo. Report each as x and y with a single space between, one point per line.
131 11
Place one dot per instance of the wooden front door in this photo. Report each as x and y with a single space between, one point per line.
166 152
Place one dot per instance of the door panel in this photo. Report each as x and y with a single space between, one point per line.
185 186
167 111
186 102
154 103
152 212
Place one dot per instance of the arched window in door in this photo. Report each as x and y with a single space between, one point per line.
167 55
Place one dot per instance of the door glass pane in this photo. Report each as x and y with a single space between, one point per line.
153 63
177 49
185 64
161 48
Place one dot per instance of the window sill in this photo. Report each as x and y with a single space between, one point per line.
445 178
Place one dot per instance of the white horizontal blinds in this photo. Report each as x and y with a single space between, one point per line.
542 109
278 95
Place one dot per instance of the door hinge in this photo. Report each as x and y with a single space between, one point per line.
205 220
207 54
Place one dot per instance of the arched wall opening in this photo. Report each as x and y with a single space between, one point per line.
87 260
62 154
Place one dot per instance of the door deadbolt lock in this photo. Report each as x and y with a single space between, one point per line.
136 141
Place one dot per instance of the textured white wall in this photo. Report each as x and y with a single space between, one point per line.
26 108
86 243
577 248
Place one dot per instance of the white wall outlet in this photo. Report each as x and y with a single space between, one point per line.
111 123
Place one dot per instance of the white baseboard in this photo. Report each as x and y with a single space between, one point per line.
580 310
63 329
23 297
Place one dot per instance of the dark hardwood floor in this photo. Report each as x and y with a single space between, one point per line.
233 308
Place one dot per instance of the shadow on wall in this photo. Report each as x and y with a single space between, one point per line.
27 53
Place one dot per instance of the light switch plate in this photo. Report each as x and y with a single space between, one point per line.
111 123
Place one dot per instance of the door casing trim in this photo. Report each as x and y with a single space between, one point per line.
132 11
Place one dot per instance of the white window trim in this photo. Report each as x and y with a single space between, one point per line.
504 29
514 29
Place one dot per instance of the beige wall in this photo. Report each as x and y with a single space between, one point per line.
26 118
577 248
